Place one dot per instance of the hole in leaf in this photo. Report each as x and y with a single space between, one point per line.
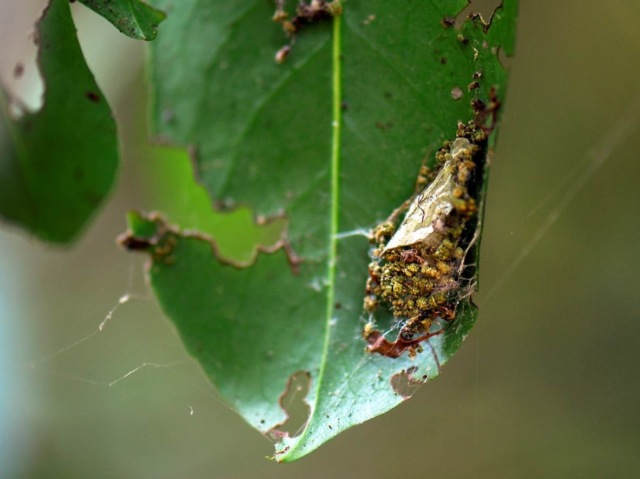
294 405
404 384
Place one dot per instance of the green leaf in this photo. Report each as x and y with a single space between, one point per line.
58 164
332 139
134 18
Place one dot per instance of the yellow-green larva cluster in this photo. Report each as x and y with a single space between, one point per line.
417 266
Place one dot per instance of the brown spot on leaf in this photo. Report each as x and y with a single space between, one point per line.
448 22
93 96
384 126
18 70
462 39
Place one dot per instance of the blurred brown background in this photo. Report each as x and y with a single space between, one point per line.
545 386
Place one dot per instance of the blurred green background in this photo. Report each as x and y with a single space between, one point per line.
545 386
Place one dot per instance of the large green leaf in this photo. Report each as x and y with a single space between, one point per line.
134 18
332 139
58 164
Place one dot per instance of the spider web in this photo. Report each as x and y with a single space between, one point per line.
552 205
45 362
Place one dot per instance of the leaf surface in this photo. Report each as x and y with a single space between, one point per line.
332 139
134 18
58 164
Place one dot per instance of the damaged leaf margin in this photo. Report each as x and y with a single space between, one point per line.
238 345
151 233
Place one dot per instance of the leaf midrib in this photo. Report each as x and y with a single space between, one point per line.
336 124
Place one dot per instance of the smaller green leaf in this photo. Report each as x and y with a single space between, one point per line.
134 18
58 164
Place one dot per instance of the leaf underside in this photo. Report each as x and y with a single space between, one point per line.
58 164
333 138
